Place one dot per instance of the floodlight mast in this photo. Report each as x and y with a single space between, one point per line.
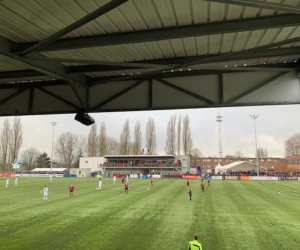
53 125
254 117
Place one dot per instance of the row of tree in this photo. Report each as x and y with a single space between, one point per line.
69 147
178 136
10 142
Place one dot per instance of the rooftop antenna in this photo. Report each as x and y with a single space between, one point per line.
219 120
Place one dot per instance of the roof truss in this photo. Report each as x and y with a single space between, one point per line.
262 5
206 29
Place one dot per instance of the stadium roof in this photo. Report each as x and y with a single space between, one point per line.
138 156
83 43
49 170
234 164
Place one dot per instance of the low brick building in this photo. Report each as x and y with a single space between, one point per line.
209 164
293 162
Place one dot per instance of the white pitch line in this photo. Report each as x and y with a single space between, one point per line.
28 205
280 193
36 203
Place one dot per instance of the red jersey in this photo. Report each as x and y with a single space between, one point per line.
202 184
123 178
190 192
71 188
126 185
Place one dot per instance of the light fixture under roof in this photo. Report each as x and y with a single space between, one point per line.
226 66
190 69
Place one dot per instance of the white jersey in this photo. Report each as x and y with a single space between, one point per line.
45 191
16 181
7 181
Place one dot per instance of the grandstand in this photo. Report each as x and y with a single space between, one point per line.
150 164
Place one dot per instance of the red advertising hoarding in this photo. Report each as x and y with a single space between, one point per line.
6 175
190 177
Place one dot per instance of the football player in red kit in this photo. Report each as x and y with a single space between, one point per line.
123 179
71 189
190 193
202 186
208 182
126 187
187 182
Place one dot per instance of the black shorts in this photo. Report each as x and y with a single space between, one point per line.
126 188
71 191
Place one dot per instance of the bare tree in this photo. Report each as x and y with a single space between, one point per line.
68 147
292 145
137 139
170 147
16 139
92 141
262 153
29 157
102 140
239 154
125 139
179 136
196 153
187 141
151 136
5 140
112 146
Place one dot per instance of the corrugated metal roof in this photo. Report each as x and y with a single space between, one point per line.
34 20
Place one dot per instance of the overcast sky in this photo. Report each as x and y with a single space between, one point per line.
274 125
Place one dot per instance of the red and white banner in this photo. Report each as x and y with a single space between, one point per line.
190 177
6 175
263 178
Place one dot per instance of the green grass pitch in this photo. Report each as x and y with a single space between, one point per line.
242 215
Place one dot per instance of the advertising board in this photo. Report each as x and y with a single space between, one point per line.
207 177
263 178
6 175
39 175
190 177
244 178
133 176
217 178
155 176
288 178
144 176
231 178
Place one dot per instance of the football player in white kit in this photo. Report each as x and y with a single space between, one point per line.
115 178
51 177
6 183
127 178
100 183
16 181
45 191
